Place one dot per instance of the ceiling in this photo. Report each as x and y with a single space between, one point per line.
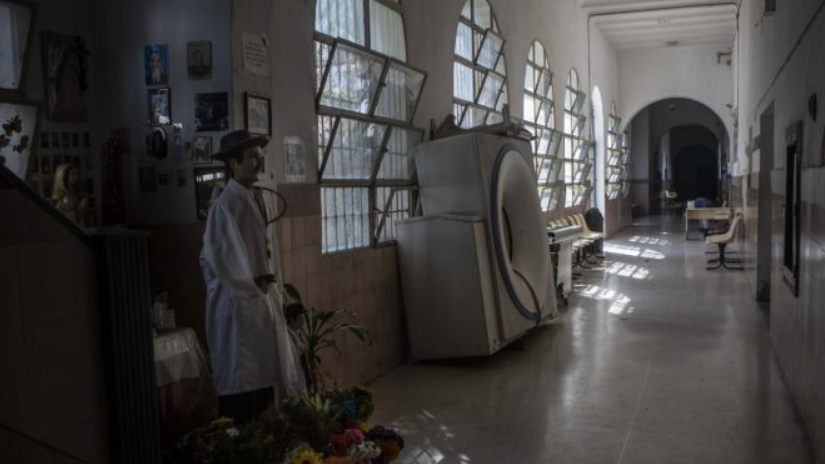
663 23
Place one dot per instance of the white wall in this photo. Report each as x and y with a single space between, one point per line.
781 63
650 75
122 29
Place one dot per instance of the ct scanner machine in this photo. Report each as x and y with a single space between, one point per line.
475 269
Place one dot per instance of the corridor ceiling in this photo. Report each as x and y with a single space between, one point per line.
663 23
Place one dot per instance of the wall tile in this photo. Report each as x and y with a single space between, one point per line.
298 233
313 231
12 210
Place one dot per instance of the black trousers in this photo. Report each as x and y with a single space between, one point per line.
244 407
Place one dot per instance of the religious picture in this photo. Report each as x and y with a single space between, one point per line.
202 149
160 108
257 114
156 64
199 60
211 111
66 74
294 159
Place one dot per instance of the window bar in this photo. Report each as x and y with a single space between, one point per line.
328 148
381 152
326 74
367 30
387 205
379 88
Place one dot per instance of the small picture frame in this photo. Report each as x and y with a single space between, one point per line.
160 106
199 60
211 111
202 149
257 111
156 64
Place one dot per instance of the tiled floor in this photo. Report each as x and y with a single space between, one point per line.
656 360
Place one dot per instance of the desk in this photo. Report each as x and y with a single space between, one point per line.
705 213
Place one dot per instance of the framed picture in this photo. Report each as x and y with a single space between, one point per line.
199 60
211 111
66 75
202 149
14 61
256 114
156 64
20 120
209 181
160 106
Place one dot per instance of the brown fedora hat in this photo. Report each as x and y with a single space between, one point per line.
236 142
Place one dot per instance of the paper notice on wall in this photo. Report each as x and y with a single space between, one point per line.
294 163
256 54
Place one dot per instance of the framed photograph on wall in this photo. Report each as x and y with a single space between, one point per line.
160 106
156 64
14 60
257 114
209 181
66 75
20 120
199 60
202 149
211 111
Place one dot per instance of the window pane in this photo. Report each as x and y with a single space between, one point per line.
481 13
490 50
354 150
494 118
490 92
463 82
543 145
400 93
353 79
474 116
341 18
464 42
387 31
397 164
345 213
529 108
399 208
530 79
321 57
466 11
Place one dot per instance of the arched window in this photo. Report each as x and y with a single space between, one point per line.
479 76
577 150
539 119
366 100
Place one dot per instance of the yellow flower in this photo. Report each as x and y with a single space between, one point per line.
223 422
363 426
305 455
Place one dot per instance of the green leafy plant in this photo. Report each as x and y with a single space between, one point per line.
317 335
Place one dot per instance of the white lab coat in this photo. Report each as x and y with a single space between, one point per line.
246 330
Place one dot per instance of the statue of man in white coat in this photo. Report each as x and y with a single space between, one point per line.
246 330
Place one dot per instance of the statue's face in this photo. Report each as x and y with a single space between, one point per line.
251 166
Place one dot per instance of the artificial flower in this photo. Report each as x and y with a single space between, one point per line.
340 443
355 436
223 422
305 455
364 452
232 432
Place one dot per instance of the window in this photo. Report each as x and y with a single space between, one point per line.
366 99
479 76
615 166
577 151
539 119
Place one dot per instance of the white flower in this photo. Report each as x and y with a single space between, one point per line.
232 432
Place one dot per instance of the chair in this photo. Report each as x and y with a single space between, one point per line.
722 241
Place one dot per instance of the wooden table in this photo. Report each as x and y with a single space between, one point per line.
705 213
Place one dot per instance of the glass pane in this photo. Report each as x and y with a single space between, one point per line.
529 79
464 42
529 108
325 125
544 84
399 208
458 111
494 118
490 92
579 103
500 65
352 80
543 142
556 138
490 50
543 113
397 164
354 150
482 14
387 31
474 116
615 159
502 98
579 126
341 19
463 82
466 11
345 218
321 58
402 88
